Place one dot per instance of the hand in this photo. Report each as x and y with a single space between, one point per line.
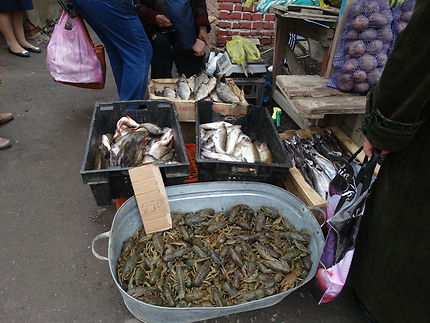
368 148
203 35
162 21
199 47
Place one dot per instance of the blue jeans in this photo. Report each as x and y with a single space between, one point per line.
118 27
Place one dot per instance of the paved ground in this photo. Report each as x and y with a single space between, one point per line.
48 218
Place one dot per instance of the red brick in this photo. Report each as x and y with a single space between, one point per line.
226 6
256 25
268 25
235 24
235 16
245 25
250 9
269 17
224 15
257 17
222 32
245 33
238 7
266 41
267 33
224 24
222 40
246 16
255 33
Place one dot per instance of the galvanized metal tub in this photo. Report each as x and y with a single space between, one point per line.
220 196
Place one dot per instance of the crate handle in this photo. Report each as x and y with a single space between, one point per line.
98 237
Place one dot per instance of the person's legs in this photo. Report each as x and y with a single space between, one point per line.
162 58
187 63
128 47
6 29
87 11
5 117
18 29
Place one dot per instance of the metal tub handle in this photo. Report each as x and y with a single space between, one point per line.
98 237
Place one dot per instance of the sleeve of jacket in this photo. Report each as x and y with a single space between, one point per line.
400 103
201 14
147 15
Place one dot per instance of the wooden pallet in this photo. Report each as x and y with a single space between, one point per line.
309 97
306 12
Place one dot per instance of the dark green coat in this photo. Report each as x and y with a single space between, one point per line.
391 266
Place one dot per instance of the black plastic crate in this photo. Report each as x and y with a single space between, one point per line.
252 87
258 125
114 182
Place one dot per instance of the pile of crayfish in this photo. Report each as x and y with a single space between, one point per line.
214 258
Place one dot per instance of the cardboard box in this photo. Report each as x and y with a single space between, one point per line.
186 108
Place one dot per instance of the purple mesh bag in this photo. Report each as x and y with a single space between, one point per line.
363 50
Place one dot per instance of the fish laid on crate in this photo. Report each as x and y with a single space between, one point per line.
318 159
224 141
200 87
214 258
135 144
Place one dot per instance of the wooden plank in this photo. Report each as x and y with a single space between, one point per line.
281 44
295 183
308 107
306 86
308 30
329 11
286 106
298 15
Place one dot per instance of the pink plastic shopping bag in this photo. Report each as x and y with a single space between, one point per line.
72 57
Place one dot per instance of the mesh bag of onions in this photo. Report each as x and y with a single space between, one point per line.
363 50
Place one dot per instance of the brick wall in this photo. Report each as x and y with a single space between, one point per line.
233 19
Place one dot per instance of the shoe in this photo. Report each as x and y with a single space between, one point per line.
24 53
5 143
5 117
33 49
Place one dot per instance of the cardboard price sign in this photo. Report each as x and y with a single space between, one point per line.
151 198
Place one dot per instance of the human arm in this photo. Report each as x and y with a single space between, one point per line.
399 104
147 15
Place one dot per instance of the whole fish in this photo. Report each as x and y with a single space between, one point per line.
215 125
191 83
152 128
169 93
249 152
265 153
212 84
182 88
232 140
148 159
158 149
226 94
208 134
220 139
214 97
202 91
325 164
212 155
209 145
202 77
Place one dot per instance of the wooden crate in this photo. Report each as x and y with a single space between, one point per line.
310 97
186 108
306 12
295 182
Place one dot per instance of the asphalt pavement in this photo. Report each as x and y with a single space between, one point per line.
48 217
